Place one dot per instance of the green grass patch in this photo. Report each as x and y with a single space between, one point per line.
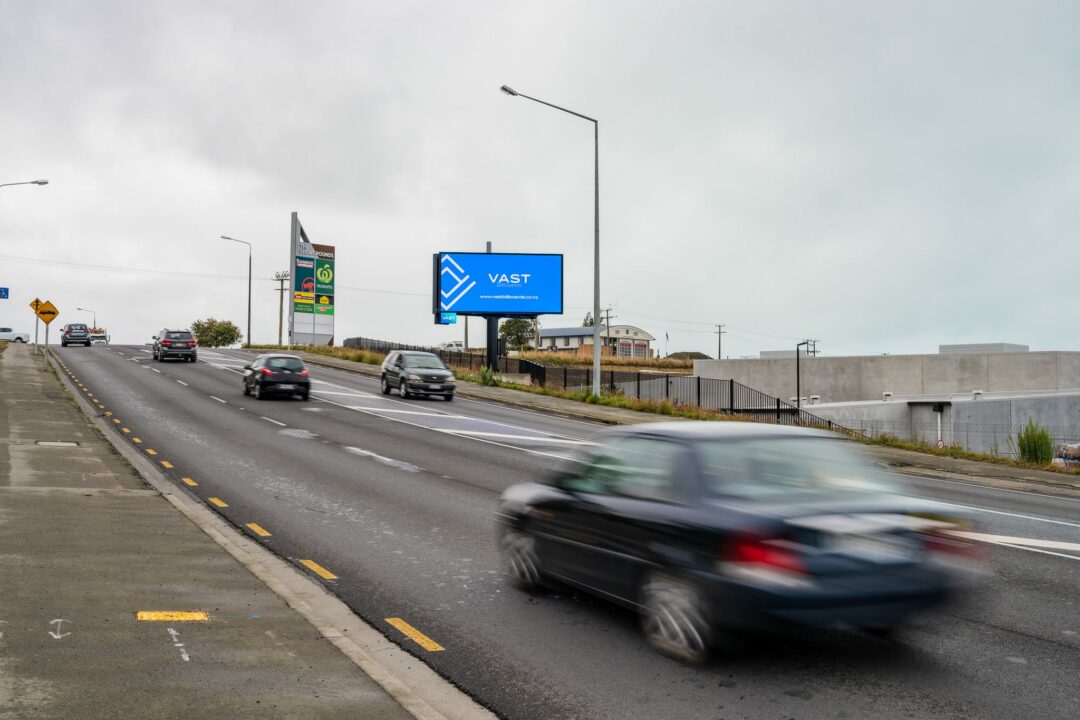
960 453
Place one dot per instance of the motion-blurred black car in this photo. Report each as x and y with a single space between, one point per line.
417 373
277 375
75 334
175 344
710 529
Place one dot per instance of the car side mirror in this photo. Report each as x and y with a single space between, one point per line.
247 366
155 337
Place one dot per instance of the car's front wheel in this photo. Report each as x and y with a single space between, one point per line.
385 384
522 561
247 390
675 618
403 388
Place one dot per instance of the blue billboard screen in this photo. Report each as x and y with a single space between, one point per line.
498 283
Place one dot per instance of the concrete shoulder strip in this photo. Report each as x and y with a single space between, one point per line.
414 685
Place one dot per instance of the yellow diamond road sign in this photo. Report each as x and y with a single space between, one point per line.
47 312
35 304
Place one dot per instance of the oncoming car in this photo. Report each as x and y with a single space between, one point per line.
713 529
277 375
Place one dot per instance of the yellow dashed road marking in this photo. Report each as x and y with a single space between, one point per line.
258 530
166 464
190 482
318 569
415 635
219 502
108 414
126 430
136 440
150 451
172 616
116 420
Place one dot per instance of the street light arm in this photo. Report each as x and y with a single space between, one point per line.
552 105
28 182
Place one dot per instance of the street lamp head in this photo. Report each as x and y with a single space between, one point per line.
509 90
40 182
226 237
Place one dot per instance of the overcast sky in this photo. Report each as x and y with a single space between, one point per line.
883 177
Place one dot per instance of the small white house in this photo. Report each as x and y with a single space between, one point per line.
618 340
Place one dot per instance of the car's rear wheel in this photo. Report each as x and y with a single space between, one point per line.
305 396
675 618
522 561
449 397
259 394
247 390
19 340
385 386
403 388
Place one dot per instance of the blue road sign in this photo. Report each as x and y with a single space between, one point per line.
3 293
498 284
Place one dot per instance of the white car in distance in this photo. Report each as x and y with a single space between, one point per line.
9 335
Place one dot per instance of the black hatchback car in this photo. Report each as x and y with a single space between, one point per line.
277 375
75 334
417 373
711 529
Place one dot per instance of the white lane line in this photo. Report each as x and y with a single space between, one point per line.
145 351
508 436
155 370
1016 515
399 464
913 475
1043 552
182 383
406 412
1018 541
216 398
355 394
272 420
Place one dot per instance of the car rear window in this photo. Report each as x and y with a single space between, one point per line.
77 328
779 468
424 362
179 335
285 363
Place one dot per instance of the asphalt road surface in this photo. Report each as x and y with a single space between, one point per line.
392 503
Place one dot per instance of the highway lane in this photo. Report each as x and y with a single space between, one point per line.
396 497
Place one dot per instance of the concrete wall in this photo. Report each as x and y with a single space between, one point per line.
986 426
847 379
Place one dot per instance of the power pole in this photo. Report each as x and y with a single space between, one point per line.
607 328
280 278
720 341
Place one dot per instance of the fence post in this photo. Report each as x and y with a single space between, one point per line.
639 385
667 387
777 410
699 391
564 377
611 380
731 395
588 379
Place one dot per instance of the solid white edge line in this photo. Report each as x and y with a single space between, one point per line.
916 476
182 383
1031 549
213 397
272 420
1002 512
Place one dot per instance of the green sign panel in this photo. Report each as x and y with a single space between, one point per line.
324 276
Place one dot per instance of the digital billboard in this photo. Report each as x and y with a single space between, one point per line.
503 284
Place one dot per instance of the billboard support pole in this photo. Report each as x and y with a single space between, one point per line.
492 342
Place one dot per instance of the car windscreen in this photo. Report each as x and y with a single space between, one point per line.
424 362
778 469
77 328
179 335
285 363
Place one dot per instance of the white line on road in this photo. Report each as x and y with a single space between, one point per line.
508 436
914 475
399 464
155 370
1016 515
182 383
1018 541
404 412
216 398
272 420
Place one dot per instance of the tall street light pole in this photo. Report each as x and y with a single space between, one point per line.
596 224
92 313
280 278
245 242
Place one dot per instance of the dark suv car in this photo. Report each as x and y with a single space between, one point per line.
417 373
75 334
281 374
175 343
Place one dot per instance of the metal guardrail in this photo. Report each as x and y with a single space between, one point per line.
726 396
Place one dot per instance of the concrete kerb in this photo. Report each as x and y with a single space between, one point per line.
357 640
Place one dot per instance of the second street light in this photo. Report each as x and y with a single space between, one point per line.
245 242
596 229
92 313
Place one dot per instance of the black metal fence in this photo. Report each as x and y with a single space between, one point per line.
727 396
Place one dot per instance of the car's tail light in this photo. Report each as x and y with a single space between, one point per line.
266 371
304 373
192 343
166 342
763 560
949 547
